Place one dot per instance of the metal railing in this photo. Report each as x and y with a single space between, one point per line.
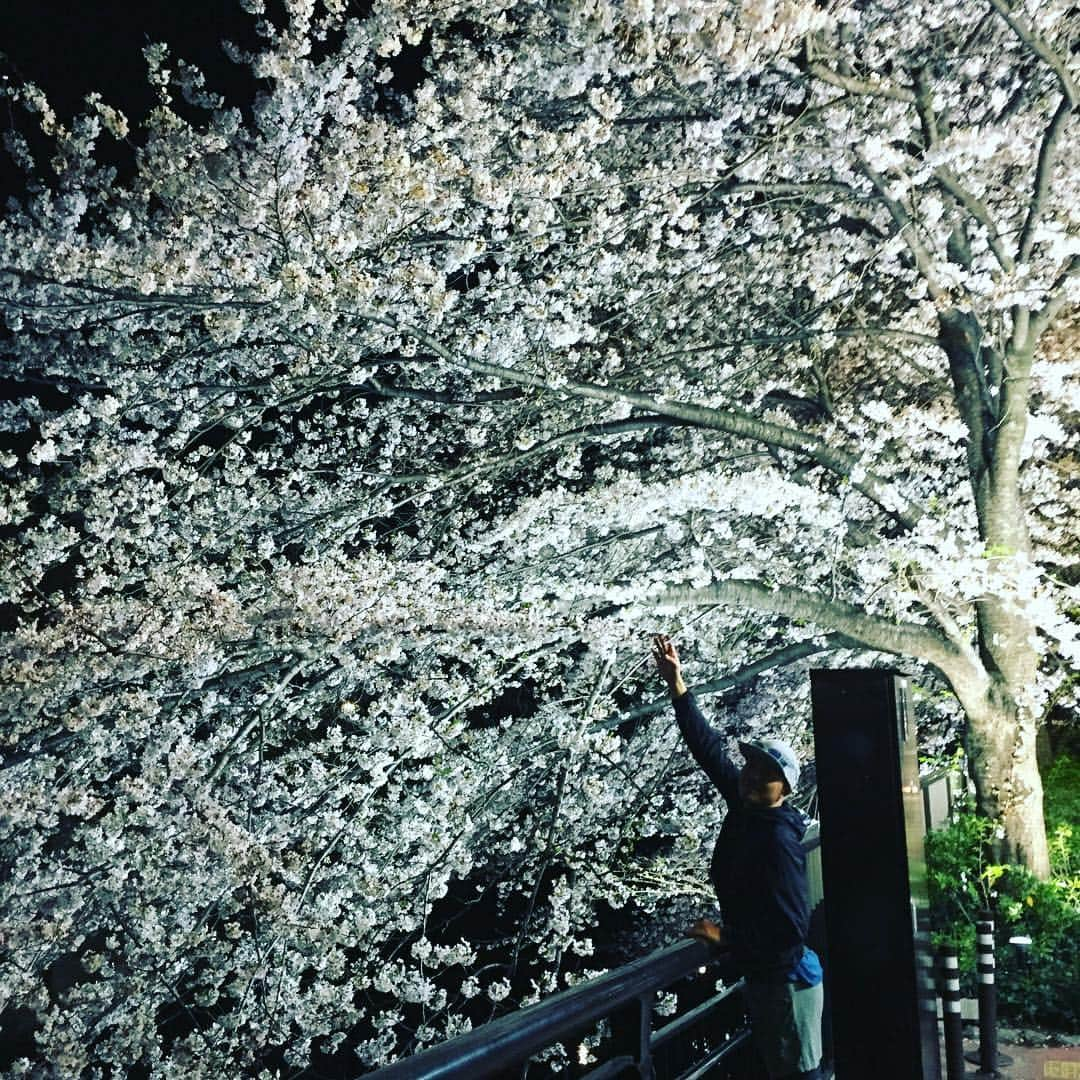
714 1031
623 996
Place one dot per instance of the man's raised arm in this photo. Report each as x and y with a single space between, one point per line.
705 742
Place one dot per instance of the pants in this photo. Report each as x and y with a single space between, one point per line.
786 1021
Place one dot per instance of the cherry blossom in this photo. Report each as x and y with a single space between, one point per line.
360 440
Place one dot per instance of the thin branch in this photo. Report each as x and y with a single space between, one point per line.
476 696
226 754
323 856
616 538
415 393
977 209
840 462
471 470
905 226
942 615
1042 318
811 187
862 87
1041 48
549 841
949 181
112 294
809 334
1042 176
789 654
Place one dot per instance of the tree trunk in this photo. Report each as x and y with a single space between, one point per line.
992 392
1001 749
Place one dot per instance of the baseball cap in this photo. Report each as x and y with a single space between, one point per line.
778 754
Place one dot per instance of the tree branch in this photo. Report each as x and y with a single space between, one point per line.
1042 176
1041 48
1042 318
942 616
472 469
616 538
809 187
977 209
948 180
840 462
810 334
113 294
861 87
873 631
256 715
414 393
905 226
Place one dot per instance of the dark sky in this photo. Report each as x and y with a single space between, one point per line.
71 47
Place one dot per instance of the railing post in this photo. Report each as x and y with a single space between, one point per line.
631 1029
950 1010
987 1057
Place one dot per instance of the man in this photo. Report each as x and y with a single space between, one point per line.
758 870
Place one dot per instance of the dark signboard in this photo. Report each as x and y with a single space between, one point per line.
880 976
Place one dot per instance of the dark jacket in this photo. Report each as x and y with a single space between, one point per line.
758 866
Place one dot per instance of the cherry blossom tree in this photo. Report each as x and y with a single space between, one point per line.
361 437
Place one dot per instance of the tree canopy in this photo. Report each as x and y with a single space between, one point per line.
358 440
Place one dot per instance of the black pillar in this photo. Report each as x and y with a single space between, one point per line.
884 1017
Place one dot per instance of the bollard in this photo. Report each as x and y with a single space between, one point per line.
987 1057
950 1010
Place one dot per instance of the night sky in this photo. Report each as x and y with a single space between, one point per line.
70 48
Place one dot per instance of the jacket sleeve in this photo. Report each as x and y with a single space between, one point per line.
707 746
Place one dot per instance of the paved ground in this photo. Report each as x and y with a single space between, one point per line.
1030 1062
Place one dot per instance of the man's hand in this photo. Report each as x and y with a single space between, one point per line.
668 665
706 930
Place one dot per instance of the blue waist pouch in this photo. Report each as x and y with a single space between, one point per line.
808 969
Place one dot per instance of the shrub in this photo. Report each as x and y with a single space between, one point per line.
1062 807
1039 984
1042 986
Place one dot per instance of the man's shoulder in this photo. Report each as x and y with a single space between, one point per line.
783 820
794 821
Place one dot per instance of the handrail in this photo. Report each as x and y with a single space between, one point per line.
503 1044
682 1024
492 1048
